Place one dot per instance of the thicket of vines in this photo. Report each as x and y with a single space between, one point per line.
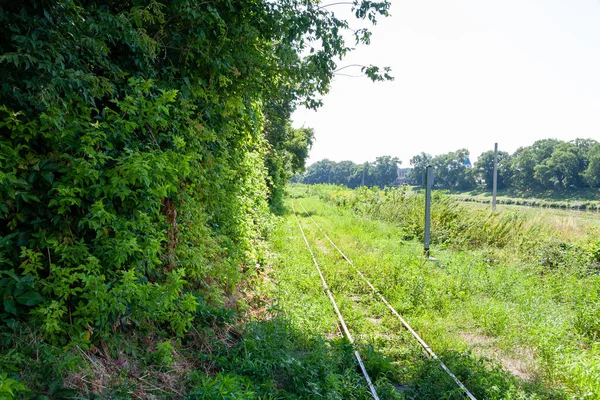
140 145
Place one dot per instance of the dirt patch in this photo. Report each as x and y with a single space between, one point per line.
337 334
518 363
477 340
517 367
324 247
374 321
105 372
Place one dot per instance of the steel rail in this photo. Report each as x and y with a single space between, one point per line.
337 311
425 346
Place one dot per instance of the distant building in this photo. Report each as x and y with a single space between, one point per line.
401 178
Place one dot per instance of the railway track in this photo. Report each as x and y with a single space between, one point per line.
377 294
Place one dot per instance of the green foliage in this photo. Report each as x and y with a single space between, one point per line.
140 145
164 353
561 169
485 168
10 388
550 163
287 156
18 295
136 147
592 172
451 224
382 172
419 164
487 299
452 170
587 321
277 360
39 366
546 164
224 386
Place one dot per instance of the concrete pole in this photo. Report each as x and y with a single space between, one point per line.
428 185
363 180
495 184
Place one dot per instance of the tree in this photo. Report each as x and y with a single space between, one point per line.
137 140
380 173
344 173
561 169
525 160
582 150
592 172
384 171
287 157
523 163
418 164
484 167
320 172
452 172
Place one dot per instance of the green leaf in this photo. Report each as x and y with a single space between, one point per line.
10 306
30 299
49 176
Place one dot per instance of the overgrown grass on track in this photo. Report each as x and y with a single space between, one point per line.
472 303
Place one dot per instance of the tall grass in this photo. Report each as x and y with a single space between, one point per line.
533 202
549 241
451 222
509 285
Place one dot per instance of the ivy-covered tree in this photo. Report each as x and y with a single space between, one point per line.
136 143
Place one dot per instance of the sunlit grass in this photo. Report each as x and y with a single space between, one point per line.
532 309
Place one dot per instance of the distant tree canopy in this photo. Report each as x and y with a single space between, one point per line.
382 172
546 164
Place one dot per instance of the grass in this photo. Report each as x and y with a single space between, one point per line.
564 223
512 306
534 316
580 199
567 195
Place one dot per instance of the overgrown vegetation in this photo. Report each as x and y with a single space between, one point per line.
141 145
581 205
508 286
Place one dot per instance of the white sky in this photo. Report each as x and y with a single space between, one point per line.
468 73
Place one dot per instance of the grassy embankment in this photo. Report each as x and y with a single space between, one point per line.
580 199
505 287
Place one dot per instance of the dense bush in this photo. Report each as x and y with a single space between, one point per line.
140 146
116 187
